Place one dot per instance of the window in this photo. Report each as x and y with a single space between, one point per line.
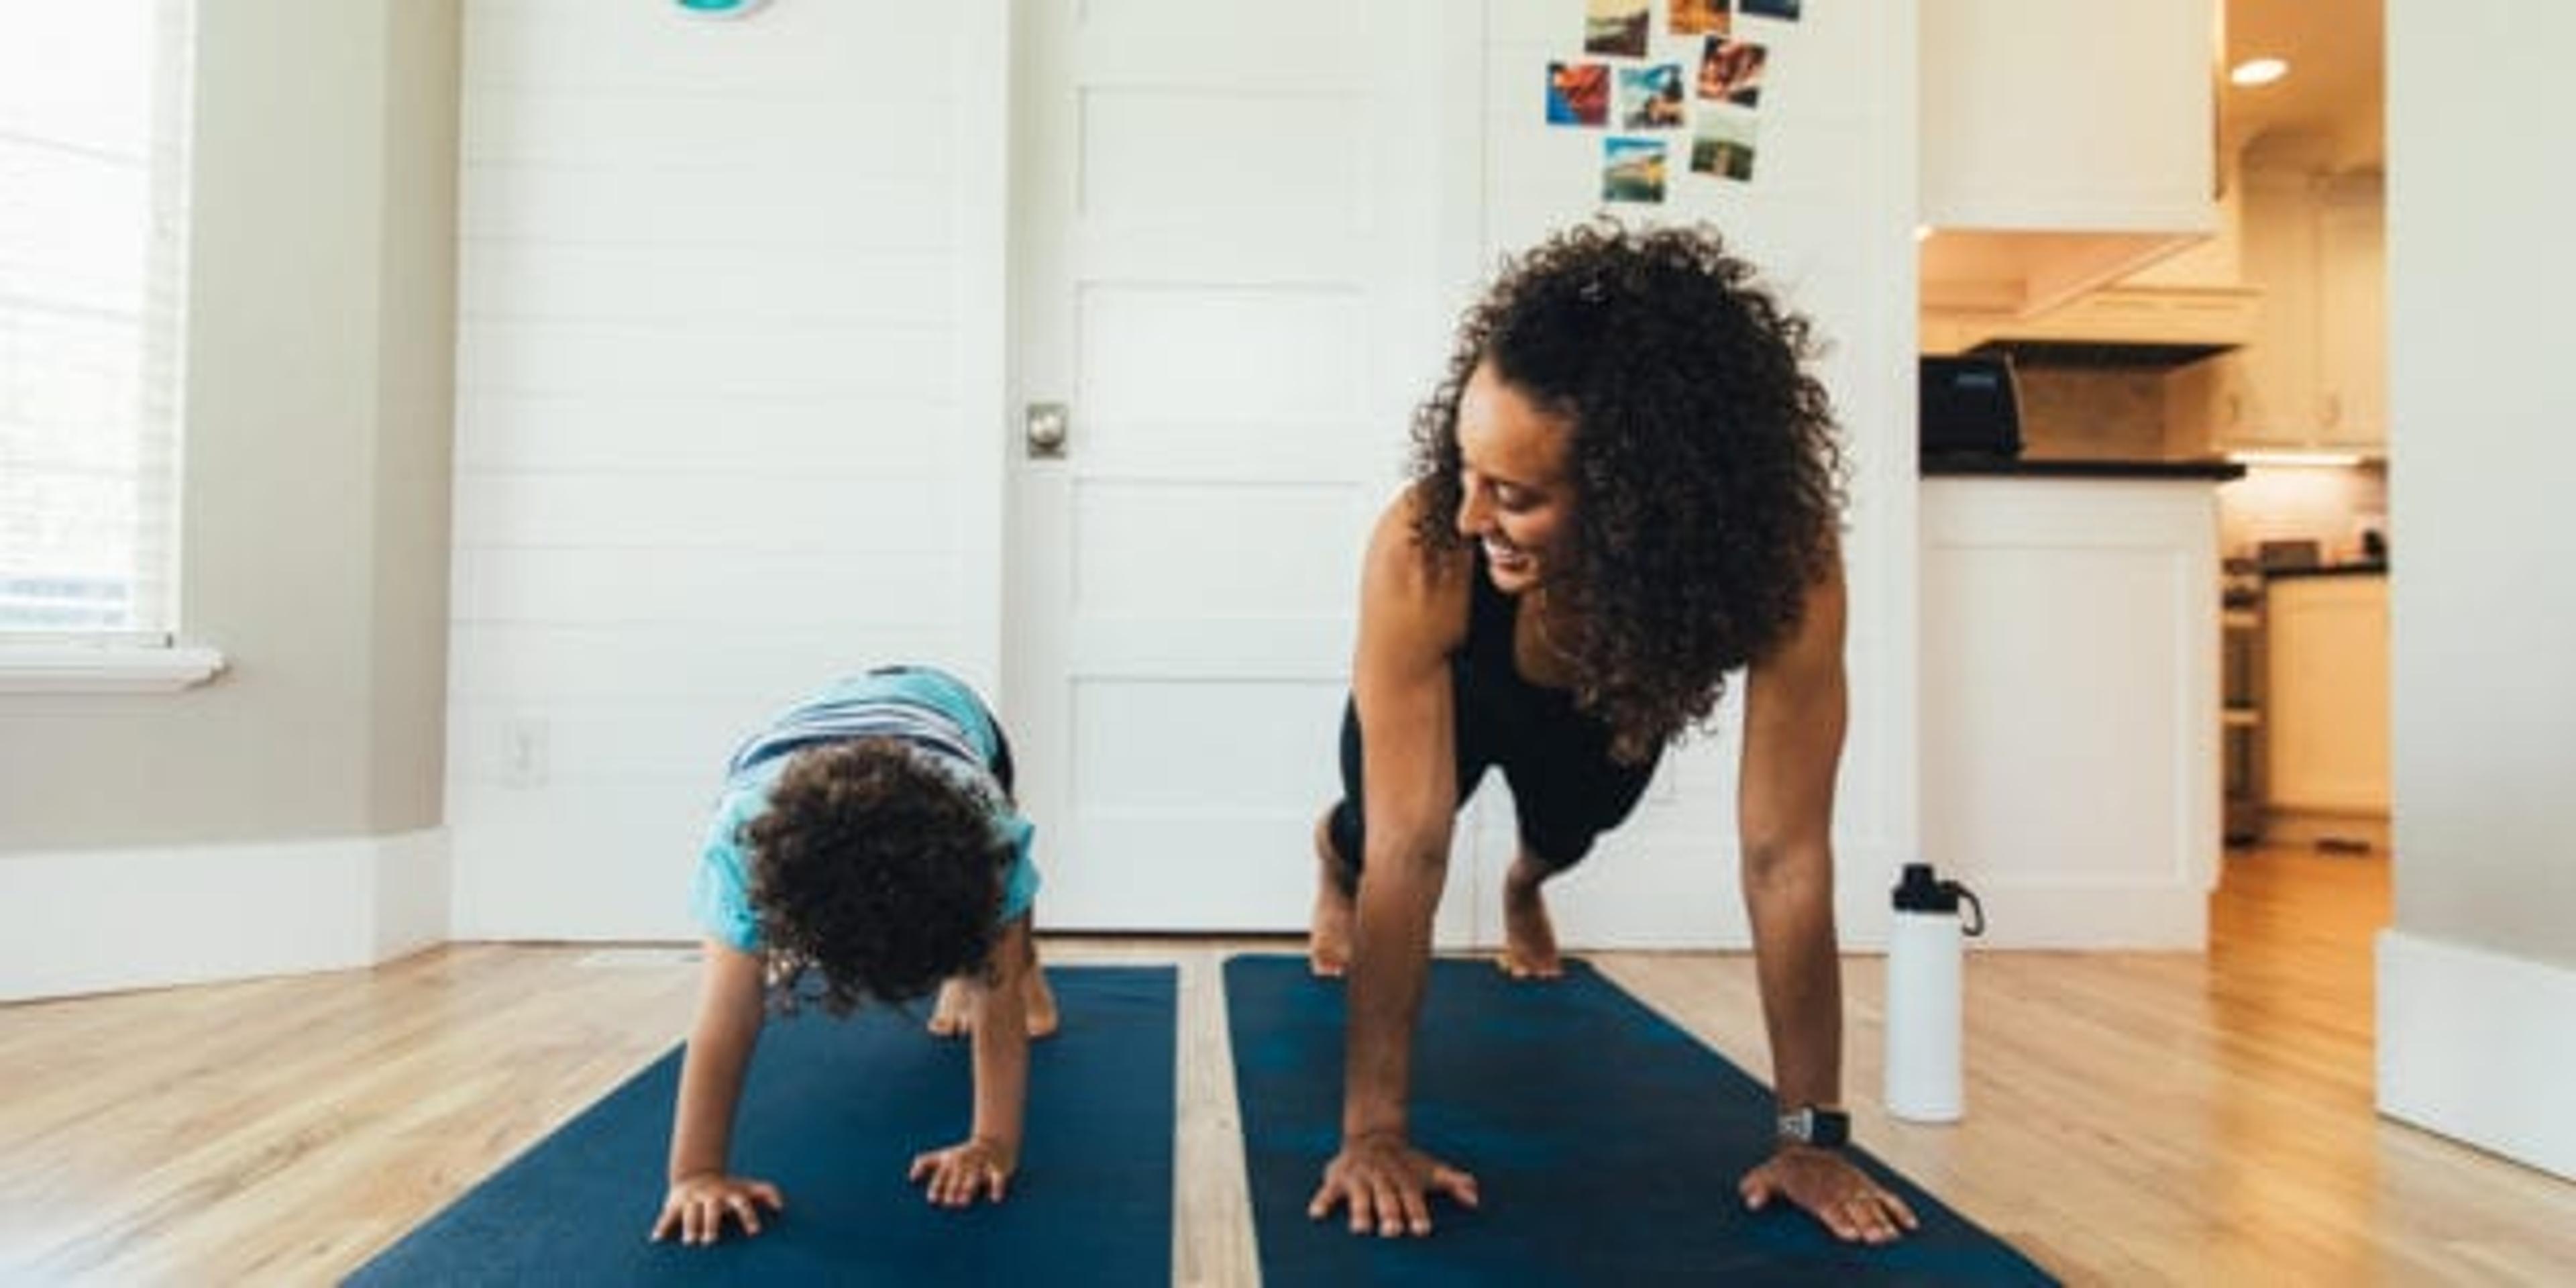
93 227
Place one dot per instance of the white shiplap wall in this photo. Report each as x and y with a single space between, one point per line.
728 413
1828 218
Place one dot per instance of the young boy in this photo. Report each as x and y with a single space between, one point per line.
867 836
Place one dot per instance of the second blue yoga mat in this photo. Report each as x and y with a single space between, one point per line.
1606 1144
833 1112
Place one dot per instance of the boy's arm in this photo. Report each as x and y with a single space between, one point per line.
720 1044
958 1175
1002 1044
701 1193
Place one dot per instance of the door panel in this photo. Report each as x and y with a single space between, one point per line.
1204 269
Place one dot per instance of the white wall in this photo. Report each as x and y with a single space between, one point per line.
286 816
2478 977
1829 218
728 418
721 429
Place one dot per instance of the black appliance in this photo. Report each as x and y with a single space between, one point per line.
1971 407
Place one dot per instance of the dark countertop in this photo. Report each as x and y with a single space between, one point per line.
2357 568
2210 470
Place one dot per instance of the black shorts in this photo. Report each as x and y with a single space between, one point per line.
1566 789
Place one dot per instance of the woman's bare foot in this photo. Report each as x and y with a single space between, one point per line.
954 1015
1328 939
1529 938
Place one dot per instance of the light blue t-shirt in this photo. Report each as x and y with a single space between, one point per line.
928 709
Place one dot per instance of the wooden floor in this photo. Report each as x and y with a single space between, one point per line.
2133 1118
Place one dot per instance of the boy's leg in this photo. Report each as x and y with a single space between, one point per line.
954 1014
1037 997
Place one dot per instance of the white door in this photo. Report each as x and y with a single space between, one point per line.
1225 261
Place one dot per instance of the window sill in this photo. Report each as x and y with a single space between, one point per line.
105 668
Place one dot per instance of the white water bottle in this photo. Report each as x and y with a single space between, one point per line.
1923 996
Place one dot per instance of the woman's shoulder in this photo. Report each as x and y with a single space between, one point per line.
1419 588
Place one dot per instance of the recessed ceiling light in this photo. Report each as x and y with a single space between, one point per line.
2259 71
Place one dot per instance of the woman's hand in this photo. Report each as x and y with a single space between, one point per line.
1831 1190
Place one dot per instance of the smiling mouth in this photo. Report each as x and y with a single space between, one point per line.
1504 557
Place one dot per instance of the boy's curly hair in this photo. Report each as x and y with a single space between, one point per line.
875 869
1707 472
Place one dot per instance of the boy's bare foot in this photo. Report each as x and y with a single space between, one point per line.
1039 1001
1328 939
1529 938
954 1015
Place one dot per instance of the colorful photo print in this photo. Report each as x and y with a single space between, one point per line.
1650 98
1632 170
1723 145
1701 18
1731 71
1578 93
1784 10
1615 27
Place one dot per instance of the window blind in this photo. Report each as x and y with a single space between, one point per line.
93 271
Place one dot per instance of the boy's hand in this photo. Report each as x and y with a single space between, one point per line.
697 1205
958 1173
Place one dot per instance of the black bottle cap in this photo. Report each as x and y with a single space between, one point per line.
1919 891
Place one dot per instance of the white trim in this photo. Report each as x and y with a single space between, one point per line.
94 921
105 668
2478 1046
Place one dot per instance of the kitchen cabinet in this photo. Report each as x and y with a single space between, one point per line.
2314 376
2326 686
2064 143
2352 323
2070 732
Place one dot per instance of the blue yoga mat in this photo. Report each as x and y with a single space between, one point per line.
833 1112
1606 1145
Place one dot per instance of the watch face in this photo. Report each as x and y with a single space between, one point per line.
1812 1126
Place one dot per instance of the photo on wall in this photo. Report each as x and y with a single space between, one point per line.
1700 18
1615 27
1650 98
1782 10
1632 170
1578 93
1722 145
1730 71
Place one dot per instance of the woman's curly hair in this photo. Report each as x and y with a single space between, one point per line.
876 870
1707 469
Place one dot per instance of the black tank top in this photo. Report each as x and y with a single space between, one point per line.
1487 676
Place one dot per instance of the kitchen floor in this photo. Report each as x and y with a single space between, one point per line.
2132 1117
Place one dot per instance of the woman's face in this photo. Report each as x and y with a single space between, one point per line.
1515 495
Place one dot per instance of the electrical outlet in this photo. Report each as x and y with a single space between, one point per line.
523 752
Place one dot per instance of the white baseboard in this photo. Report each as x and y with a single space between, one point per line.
2480 1047
96 921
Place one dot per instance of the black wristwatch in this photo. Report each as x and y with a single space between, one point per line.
1809 1125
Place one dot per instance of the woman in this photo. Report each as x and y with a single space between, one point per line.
1626 487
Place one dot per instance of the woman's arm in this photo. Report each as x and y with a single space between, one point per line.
1412 615
1795 708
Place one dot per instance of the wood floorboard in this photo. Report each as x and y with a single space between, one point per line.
2133 1118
